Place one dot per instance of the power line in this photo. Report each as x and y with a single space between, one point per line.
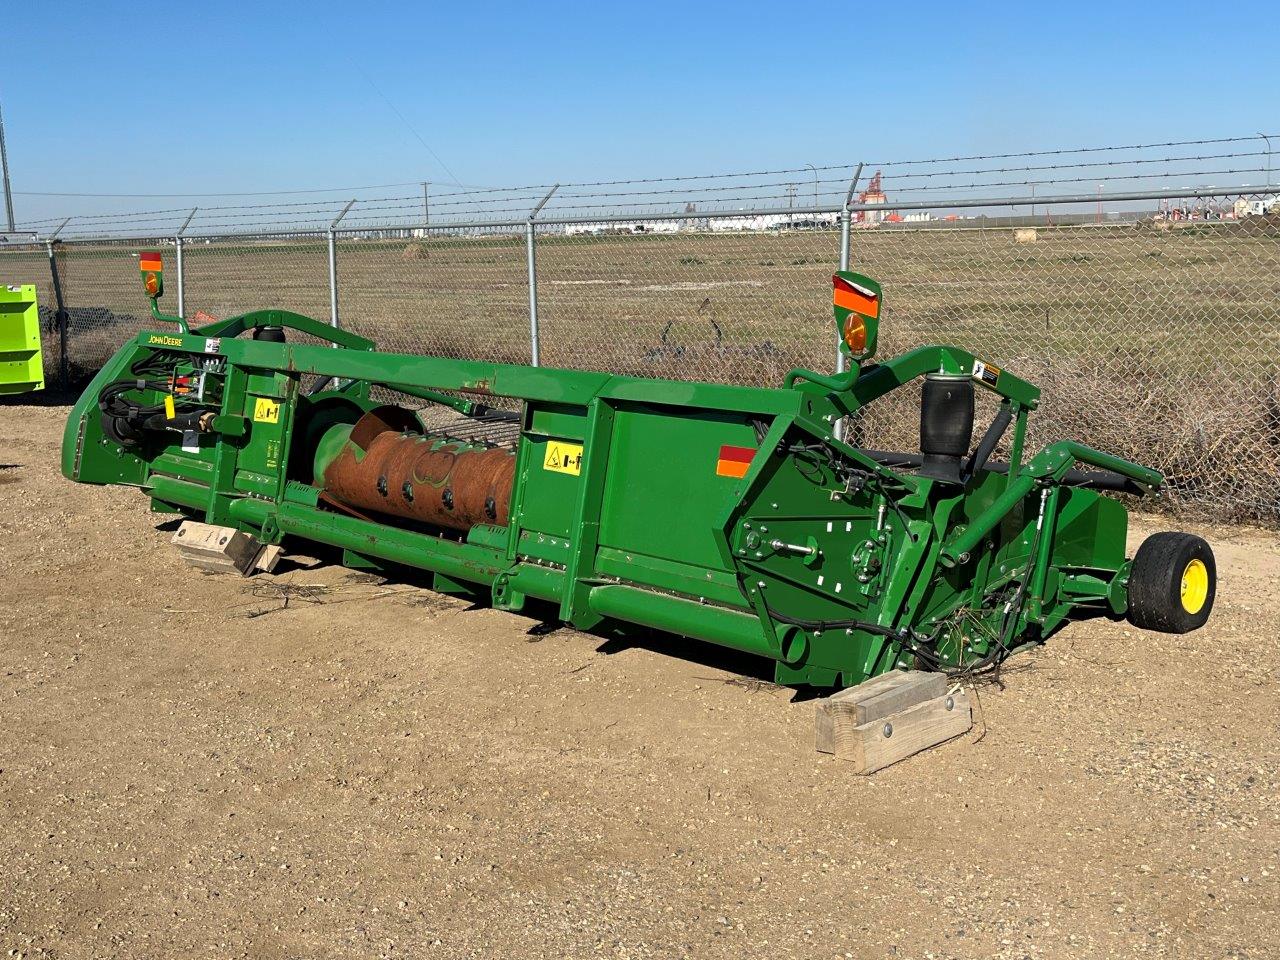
718 191
196 196
470 189
412 129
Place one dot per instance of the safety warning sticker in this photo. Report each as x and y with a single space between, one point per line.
986 373
563 457
265 410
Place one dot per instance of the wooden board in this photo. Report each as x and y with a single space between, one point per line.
223 549
889 718
872 700
878 744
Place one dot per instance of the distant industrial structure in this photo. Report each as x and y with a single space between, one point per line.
873 194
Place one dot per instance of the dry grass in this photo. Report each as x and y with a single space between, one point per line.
1159 345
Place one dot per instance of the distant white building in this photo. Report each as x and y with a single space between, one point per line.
1254 208
774 221
718 222
623 226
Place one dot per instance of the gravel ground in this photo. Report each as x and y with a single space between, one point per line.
322 764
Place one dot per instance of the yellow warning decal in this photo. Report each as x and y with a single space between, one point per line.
168 407
563 457
986 373
265 411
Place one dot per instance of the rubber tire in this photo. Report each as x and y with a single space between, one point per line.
1155 583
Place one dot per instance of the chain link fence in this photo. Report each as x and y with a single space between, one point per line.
713 302
448 292
1152 337
226 276
1155 340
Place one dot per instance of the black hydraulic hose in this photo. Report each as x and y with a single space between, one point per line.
821 625
1090 479
318 386
894 458
987 445
181 422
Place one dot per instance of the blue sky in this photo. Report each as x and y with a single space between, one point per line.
151 98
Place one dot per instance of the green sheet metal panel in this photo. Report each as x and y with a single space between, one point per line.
21 360
666 487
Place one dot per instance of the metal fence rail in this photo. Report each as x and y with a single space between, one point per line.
1155 338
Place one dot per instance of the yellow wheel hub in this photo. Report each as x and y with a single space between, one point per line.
1195 586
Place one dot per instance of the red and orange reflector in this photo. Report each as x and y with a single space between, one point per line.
733 461
855 333
855 297
152 266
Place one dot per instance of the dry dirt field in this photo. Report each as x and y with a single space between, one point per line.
191 768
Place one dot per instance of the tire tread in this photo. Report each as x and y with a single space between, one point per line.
1155 579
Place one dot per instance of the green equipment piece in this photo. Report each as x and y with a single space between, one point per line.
730 514
21 359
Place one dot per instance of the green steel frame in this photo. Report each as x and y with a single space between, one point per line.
820 556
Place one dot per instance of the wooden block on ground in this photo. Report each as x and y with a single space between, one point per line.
878 744
268 557
872 700
223 549
889 718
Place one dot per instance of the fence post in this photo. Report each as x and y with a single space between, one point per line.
60 317
846 219
531 261
333 265
177 245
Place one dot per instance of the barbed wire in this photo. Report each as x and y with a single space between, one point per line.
699 194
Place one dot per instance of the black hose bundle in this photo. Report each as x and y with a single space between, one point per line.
125 418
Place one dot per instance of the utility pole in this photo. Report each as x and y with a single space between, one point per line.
4 163
426 204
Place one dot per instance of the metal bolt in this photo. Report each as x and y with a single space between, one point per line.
887 731
949 703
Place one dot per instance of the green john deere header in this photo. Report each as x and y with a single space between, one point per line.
733 515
